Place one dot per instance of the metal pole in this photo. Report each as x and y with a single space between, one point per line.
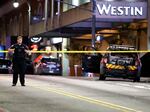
46 16
52 12
58 11
148 29
93 23
29 16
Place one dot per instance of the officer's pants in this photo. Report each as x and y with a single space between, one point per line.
19 67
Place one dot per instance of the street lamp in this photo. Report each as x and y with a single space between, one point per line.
16 4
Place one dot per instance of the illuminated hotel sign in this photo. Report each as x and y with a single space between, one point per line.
126 10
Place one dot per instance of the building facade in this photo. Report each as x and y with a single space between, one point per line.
71 20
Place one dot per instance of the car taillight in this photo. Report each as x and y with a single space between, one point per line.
104 60
58 65
43 64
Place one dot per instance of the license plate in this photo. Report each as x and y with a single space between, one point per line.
51 71
3 66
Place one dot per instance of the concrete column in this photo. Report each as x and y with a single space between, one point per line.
58 12
3 33
65 60
58 7
52 12
46 14
148 40
29 17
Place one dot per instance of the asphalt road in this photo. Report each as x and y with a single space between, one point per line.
65 94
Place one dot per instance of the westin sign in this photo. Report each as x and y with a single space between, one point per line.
124 10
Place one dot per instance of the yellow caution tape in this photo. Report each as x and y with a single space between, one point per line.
83 52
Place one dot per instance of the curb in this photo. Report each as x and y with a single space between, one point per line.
145 79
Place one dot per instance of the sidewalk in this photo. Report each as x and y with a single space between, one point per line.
145 79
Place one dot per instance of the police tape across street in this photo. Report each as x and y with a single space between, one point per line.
83 52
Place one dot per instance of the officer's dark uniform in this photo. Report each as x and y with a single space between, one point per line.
19 63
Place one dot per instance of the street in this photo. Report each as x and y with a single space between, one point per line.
68 94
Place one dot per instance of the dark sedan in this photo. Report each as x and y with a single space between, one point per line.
5 66
48 66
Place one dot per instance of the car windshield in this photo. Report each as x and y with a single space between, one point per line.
44 60
127 55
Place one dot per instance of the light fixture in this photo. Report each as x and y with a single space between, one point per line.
16 4
99 38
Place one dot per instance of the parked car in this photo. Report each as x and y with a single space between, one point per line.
5 66
145 60
125 65
48 66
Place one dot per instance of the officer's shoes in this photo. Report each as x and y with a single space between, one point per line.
13 84
23 85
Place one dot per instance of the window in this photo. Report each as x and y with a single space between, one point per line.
73 2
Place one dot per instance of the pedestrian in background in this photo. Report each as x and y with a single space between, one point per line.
19 51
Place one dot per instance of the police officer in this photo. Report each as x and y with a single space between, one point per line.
19 62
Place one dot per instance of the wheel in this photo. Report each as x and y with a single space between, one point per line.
37 71
102 72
